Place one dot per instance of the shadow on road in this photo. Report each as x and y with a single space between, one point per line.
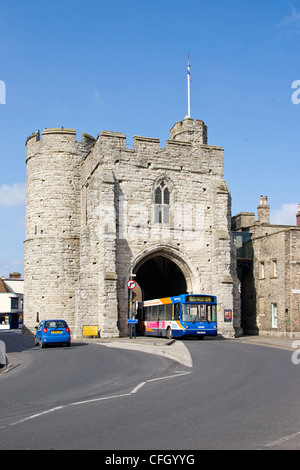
16 342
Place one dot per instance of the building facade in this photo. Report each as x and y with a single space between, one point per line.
98 212
268 264
11 301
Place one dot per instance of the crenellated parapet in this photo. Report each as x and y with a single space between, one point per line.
54 139
189 130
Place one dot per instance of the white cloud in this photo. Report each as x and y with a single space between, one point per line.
291 22
286 215
12 195
97 97
293 17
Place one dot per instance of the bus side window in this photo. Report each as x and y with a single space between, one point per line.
169 312
176 311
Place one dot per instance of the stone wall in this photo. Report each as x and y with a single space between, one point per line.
52 224
92 220
280 287
118 220
271 280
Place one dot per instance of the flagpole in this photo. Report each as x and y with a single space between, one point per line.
189 86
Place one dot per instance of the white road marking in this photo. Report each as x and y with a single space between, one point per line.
93 400
283 439
37 415
137 388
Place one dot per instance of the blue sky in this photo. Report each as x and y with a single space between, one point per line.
121 65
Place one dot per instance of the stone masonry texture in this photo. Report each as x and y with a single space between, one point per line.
93 218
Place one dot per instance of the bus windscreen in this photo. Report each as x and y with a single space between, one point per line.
199 313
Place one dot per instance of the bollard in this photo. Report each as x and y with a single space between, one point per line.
2 354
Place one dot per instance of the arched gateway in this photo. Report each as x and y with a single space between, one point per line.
98 211
162 271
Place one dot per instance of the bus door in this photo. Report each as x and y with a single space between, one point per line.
177 312
140 317
161 320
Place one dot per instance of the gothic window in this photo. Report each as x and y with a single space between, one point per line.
162 204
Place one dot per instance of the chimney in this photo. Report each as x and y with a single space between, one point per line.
263 211
14 276
298 216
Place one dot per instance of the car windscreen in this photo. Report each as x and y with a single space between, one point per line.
55 324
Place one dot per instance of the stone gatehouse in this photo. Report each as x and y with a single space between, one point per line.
98 212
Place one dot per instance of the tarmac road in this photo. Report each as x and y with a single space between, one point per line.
234 394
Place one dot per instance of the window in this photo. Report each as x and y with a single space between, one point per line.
56 324
274 268
262 270
176 311
199 313
274 315
162 312
169 312
14 303
162 204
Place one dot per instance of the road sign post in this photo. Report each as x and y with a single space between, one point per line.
131 284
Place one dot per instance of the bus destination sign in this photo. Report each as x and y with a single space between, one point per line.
200 298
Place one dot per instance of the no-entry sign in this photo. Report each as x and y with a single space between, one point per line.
131 284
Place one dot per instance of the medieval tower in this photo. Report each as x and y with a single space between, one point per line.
98 212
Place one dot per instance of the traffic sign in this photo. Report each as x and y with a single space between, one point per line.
132 320
131 284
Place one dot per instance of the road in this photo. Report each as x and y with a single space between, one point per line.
88 396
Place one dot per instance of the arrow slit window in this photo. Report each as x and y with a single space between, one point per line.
162 204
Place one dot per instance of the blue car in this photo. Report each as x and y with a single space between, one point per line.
52 331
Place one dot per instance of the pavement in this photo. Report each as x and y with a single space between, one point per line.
290 343
178 351
175 350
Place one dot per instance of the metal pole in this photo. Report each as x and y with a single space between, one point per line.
189 86
130 307
130 313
